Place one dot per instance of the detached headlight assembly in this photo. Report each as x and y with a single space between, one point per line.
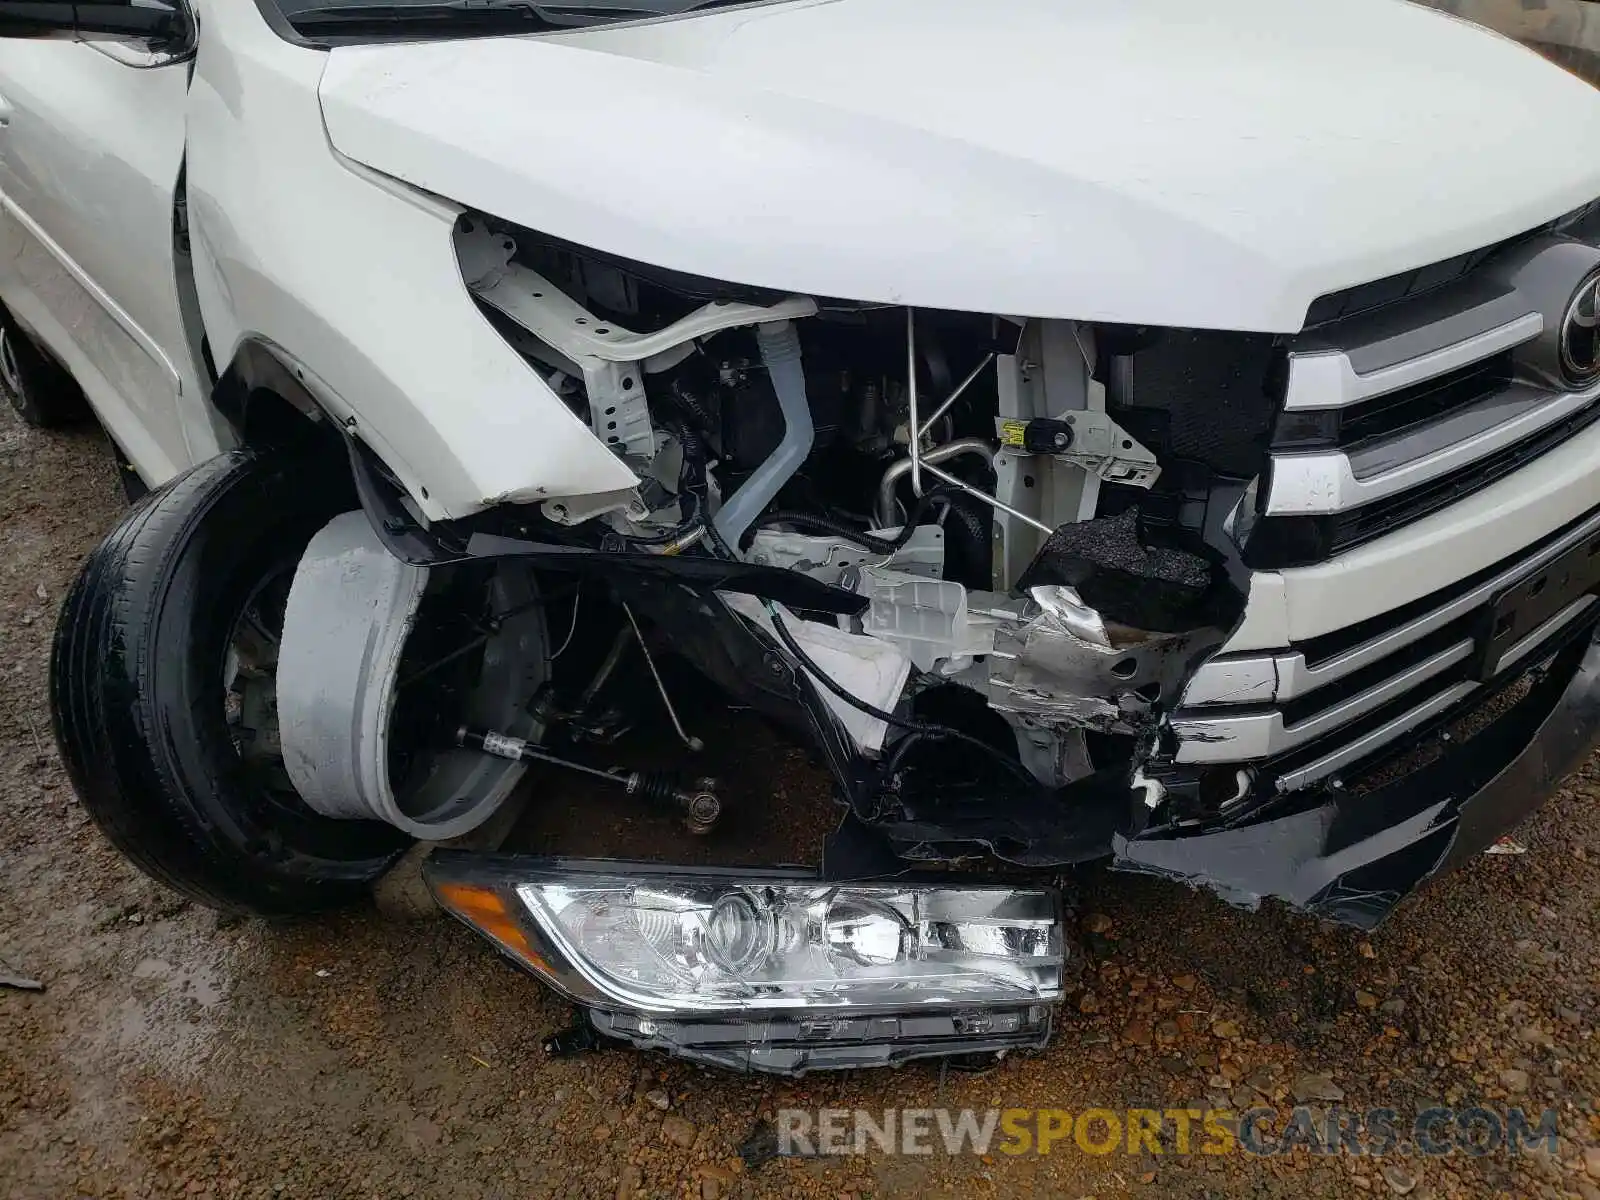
649 940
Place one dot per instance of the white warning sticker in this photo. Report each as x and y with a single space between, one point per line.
505 747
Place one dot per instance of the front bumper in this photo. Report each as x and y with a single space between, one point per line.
1351 853
1348 854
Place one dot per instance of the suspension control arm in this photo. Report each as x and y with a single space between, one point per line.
696 803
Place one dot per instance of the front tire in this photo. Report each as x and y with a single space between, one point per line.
153 636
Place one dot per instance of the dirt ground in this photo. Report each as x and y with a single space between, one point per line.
174 1053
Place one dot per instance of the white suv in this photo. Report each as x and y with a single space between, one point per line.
1155 431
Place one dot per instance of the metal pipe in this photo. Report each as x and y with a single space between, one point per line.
911 399
886 513
988 499
693 743
988 360
608 668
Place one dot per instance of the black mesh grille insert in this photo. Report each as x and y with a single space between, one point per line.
1374 520
1386 416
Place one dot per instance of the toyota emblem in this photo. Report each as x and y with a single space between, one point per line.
1580 335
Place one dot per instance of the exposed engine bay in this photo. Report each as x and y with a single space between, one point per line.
986 544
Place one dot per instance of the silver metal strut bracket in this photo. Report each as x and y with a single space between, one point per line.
611 359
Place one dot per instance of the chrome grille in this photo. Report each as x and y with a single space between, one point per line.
1399 404
1345 696
1396 412
1389 416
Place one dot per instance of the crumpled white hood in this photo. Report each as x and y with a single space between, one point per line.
1209 163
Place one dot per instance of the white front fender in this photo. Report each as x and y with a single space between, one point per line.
356 278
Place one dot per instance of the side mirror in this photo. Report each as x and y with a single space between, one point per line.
160 22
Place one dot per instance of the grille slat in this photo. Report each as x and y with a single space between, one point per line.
1403 409
1305 668
1467 444
1357 726
1420 400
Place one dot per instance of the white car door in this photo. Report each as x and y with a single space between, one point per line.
91 153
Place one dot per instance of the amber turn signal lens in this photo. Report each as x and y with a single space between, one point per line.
485 910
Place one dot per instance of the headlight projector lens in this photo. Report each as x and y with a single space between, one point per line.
740 935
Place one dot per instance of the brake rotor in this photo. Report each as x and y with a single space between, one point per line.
381 661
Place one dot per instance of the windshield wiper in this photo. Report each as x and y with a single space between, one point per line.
622 10
495 15
489 15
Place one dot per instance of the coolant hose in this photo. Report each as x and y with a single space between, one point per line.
780 351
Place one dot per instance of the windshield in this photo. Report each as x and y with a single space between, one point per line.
341 20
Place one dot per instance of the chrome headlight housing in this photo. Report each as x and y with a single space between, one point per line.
646 939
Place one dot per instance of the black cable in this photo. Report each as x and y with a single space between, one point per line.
720 543
680 396
692 445
693 503
917 729
975 524
892 762
692 481
691 488
877 545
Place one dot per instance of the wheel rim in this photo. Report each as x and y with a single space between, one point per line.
10 372
249 684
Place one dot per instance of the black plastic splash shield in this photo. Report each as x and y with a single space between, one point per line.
1351 855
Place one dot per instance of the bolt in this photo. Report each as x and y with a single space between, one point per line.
700 812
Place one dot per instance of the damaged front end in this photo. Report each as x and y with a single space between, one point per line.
1258 612
966 555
